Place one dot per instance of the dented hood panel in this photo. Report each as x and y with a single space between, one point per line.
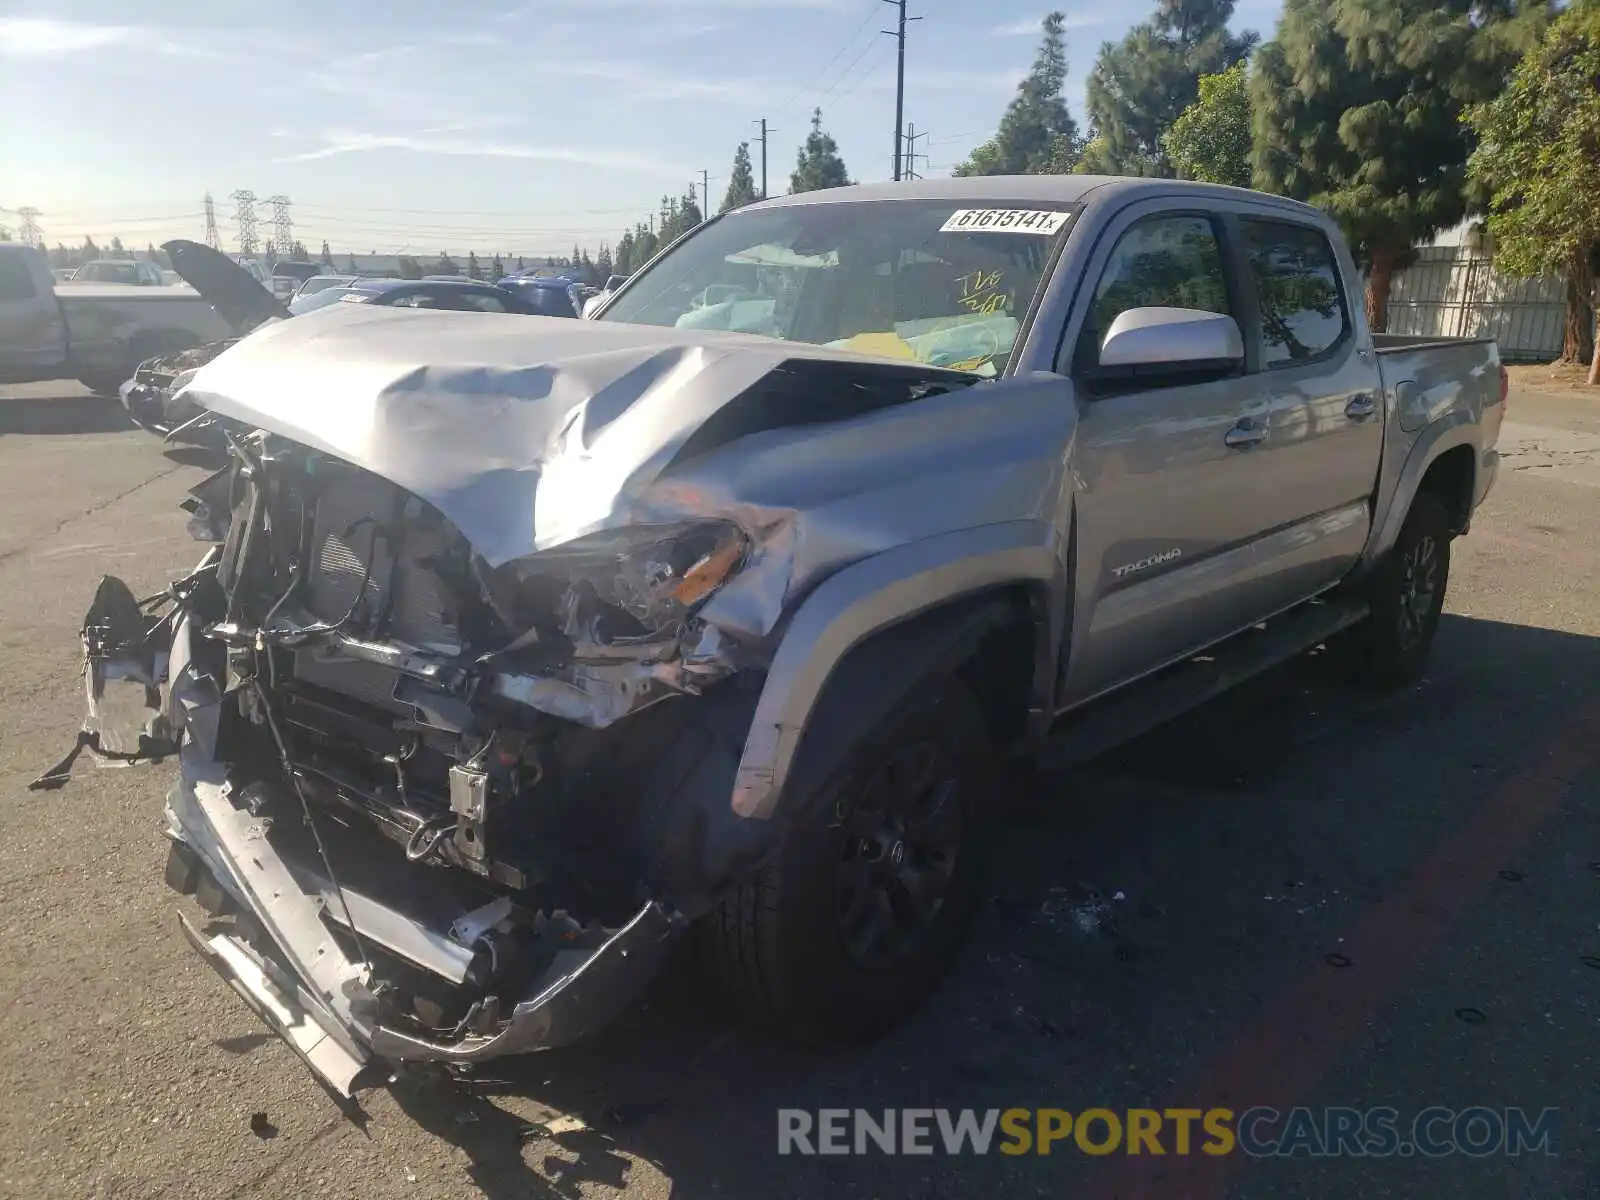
524 431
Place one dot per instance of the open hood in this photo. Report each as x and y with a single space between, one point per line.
225 285
525 431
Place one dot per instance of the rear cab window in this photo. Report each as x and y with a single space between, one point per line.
1298 291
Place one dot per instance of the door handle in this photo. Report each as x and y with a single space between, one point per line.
1361 407
1248 432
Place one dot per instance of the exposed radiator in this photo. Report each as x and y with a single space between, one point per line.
352 514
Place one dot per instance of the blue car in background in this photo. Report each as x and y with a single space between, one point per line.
548 295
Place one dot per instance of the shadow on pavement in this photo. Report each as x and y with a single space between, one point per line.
207 458
63 415
1139 912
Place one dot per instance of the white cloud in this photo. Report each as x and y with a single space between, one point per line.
338 142
38 37
1030 26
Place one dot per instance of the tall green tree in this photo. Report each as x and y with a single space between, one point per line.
408 267
474 271
1140 85
1357 108
1037 135
604 268
497 269
1538 158
90 250
327 254
741 181
818 164
1210 140
624 264
689 209
446 265
117 250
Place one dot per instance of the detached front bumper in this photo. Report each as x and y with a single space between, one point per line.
281 960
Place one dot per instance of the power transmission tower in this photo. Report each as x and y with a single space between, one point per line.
282 225
911 151
30 233
764 132
899 34
245 219
213 239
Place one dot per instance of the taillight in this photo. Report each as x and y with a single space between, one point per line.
1505 383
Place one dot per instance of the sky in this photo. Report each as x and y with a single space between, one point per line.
511 126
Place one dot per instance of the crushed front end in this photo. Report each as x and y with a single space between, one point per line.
435 810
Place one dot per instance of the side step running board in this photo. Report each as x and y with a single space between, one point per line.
1148 704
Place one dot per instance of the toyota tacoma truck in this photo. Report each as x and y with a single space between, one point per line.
525 649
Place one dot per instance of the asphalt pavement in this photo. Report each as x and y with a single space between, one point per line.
1303 895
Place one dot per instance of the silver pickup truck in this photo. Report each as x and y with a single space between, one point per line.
96 333
525 649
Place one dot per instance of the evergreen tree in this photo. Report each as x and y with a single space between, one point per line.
116 250
327 255
1140 85
1210 140
520 265
497 269
689 214
818 164
1538 160
1037 134
624 264
474 271
1357 108
350 265
604 268
409 267
741 181
446 265
90 250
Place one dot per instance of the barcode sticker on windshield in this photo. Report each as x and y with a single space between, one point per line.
1043 222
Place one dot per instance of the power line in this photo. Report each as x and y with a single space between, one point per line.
837 55
865 50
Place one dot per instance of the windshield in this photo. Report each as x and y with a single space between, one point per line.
320 283
937 281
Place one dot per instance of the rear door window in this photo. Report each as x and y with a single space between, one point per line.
1296 278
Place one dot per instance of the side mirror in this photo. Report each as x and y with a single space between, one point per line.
1170 341
592 305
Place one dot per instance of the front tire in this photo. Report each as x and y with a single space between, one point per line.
866 906
1406 593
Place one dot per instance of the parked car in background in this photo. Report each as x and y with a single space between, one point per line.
120 270
96 333
592 304
464 295
63 274
318 283
288 276
547 295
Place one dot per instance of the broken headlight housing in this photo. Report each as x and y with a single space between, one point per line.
637 584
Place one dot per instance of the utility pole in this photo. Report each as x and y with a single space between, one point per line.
764 132
899 34
705 193
213 239
911 151
282 225
245 217
30 233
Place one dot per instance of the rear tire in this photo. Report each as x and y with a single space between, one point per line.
868 902
1406 592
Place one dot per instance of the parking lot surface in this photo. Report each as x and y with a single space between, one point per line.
1301 895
